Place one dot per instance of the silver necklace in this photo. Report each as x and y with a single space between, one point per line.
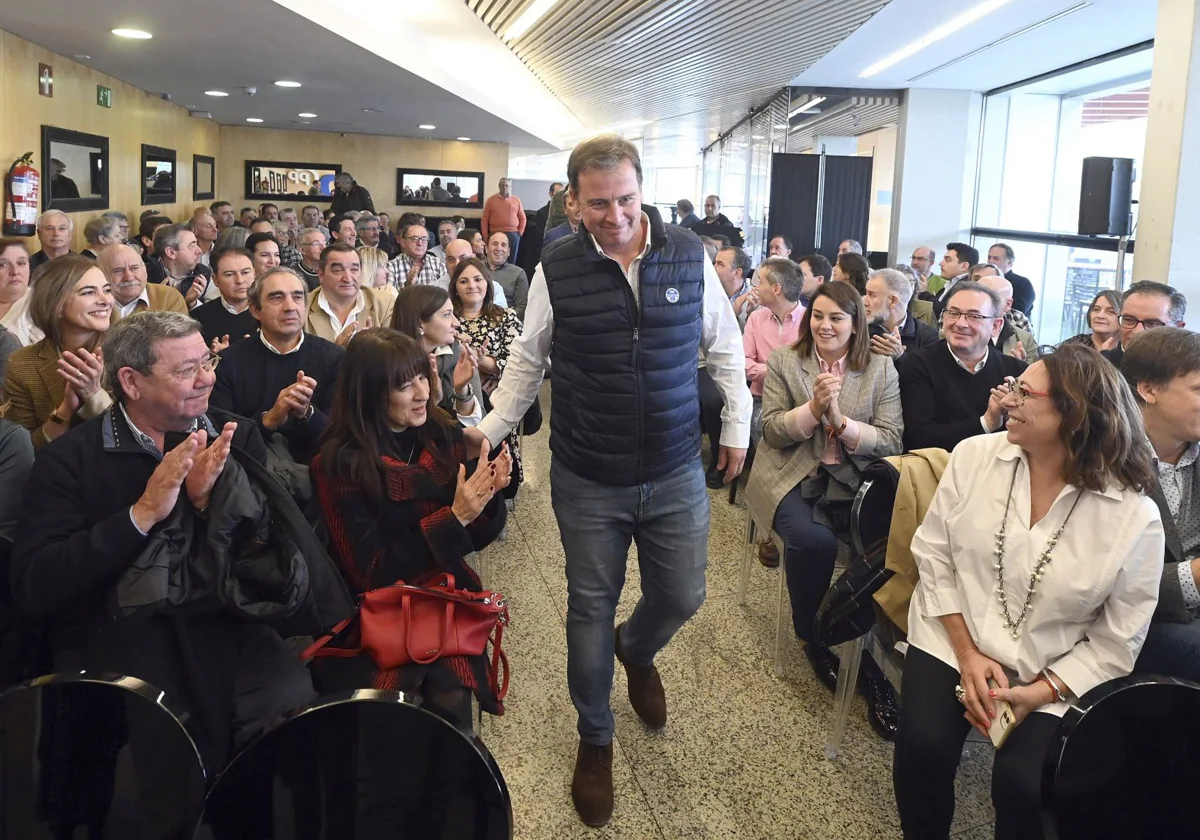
1014 626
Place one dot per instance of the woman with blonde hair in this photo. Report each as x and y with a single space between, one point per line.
374 264
56 383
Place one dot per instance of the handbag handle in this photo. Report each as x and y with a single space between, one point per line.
447 628
318 648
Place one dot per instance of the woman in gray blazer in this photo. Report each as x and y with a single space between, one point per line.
830 407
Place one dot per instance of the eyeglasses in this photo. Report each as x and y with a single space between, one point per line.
975 319
187 372
1022 391
1129 322
417 240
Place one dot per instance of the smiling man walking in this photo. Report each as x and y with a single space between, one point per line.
625 303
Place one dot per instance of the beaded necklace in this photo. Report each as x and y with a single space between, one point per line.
1014 626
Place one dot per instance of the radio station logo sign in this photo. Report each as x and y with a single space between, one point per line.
285 180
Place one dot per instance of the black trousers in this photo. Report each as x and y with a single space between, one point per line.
808 564
929 745
711 405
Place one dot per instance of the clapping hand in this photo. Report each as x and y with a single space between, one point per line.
464 368
199 284
825 393
472 494
162 490
83 371
292 402
1018 351
208 465
219 344
351 330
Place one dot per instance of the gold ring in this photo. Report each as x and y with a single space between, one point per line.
960 693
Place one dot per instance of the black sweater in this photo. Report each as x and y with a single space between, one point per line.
251 376
217 322
943 402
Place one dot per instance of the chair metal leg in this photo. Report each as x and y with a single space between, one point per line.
851 653
782 620
747 549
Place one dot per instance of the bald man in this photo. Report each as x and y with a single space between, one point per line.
1012 340
126 273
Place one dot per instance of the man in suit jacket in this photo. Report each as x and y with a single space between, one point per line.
1147 305
1002 256
687 213
126 273
894 330
1163 368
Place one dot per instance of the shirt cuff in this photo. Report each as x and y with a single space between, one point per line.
983 422
134 523
735 435
496 430
96 405
800 422
852 436
938 602
1187 584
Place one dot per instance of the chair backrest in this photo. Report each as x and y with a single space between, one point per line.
1125 763
104 754
361 764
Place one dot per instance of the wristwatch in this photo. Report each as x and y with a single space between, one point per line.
308 413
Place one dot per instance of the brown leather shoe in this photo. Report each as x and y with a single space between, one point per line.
645 689
592 786
768 554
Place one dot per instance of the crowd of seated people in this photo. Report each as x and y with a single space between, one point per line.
146 368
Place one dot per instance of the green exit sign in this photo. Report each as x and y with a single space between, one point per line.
103 96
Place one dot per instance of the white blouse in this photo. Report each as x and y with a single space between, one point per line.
1091 609
17 321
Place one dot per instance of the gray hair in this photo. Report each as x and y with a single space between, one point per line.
908 271
897 283
232 237
254 293
786 273
131 343
42 218
855 245
115 215
972 286
300 236
168 236
99 227
343 177
360 224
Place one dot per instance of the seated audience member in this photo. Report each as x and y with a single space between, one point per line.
459 250
247 215
387 238
204 226
264 251
93 507
779 246
815 270
176 262
953 389
147 226
8 345
1010 339
122 233
391 482
733 267
56 383
54 229
374 264
1163 369
126 276
852 268
955 265
341 229
291 218
16 459
475 239
1013 315
850 246
268 211
571 226
222 213
511 277
426 314
1103 321
312 243
227 319
687 213
415 266
922 310
100 233
15 293
446 233
1147 305
491 330
369 230
342 305
234 237
922 260
282 378
711 246
1065 484
289 254
829 408
1003 257
310 217
893 329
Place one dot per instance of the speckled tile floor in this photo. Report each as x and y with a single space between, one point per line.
742 754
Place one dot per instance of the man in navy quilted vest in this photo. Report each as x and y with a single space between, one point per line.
623 306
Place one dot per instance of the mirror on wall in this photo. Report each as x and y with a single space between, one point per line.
204 173
441 187
158 175
281 179
74 170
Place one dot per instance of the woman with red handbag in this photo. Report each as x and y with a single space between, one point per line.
392 481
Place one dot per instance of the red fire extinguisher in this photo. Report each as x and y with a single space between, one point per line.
22 191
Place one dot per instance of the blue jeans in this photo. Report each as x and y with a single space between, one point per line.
668 519
1172 649
514 243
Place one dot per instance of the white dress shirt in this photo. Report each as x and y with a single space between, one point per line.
1093 605
126 308
720 342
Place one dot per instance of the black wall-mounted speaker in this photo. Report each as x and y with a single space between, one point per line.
1106 196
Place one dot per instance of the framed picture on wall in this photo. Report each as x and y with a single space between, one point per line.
74 170
281 179
159 175
443 188
204 176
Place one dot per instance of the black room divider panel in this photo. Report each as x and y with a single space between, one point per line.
844 212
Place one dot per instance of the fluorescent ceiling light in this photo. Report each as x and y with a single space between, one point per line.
426 127
944 31
137 34
806 107
779 126
528 18
215 93
286 83
759 137
464 139
253 119
307 116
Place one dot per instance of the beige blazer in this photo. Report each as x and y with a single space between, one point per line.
34 390
374 304
870 396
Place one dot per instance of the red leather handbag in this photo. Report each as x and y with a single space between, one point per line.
402 624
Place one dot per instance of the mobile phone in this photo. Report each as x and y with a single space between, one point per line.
876 328
1004 722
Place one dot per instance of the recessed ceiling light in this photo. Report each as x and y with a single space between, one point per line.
139 34
307 116
757 137
372 110
944 31
807 106
286 83
253 119
81 57
780 125
215 93
464 139
426 127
